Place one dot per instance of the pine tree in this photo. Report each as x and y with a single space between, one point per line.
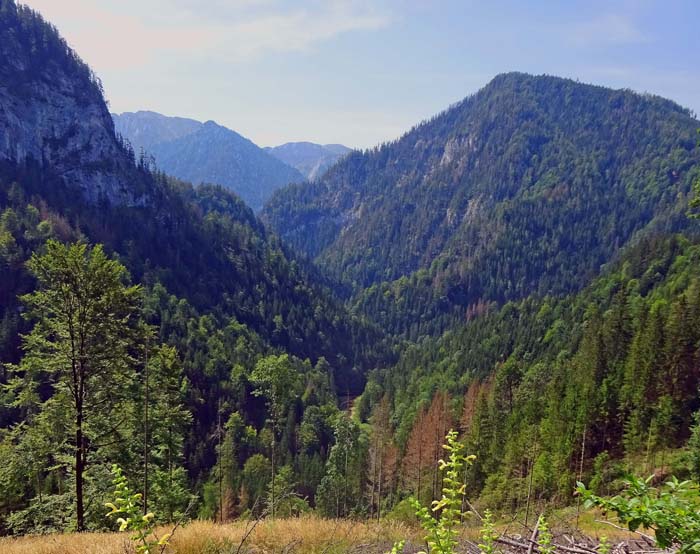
169 420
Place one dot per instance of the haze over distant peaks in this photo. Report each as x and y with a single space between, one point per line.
206 153
309 158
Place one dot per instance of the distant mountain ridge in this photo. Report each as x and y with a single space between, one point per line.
144 129
311 159
206 153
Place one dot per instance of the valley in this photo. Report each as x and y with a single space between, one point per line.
303 347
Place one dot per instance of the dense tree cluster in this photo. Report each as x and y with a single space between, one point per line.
219 297
547 390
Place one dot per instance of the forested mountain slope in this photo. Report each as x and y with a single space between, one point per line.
207 153
551 390
202 243
216 286
528 186
52 114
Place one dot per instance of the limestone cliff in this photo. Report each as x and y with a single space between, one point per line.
52 111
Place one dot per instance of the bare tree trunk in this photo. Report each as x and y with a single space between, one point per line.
420 466
345 485
272 485
79 468
374 479
529 491
145 436
219 433
379 483
580 474
170 468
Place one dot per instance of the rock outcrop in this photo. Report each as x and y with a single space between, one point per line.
53 114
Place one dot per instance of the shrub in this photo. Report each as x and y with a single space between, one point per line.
670 511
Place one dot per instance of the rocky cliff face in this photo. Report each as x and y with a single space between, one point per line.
52 112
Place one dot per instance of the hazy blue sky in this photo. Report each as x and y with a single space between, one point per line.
361 72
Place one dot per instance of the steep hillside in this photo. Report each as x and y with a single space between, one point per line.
527 186
207 153
312 160
202 243
52 113
551 390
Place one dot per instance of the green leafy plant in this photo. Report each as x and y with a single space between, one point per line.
397 548
441 531
604 545
488 534
544 537
127 509
671 511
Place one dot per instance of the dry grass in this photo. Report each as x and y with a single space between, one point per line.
307 535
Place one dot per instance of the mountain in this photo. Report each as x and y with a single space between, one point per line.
59 152
312 160
145 129
528 186
52 114
217 286
543 222
207 153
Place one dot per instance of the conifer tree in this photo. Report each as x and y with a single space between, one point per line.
81 343
275 379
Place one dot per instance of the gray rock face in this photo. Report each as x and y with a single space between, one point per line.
311 159
52 113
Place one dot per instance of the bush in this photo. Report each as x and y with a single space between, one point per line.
403 512
671 511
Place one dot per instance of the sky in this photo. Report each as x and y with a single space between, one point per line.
361 72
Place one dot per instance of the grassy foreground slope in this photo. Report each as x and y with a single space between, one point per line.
306 535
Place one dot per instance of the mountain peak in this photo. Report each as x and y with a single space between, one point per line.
553 85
